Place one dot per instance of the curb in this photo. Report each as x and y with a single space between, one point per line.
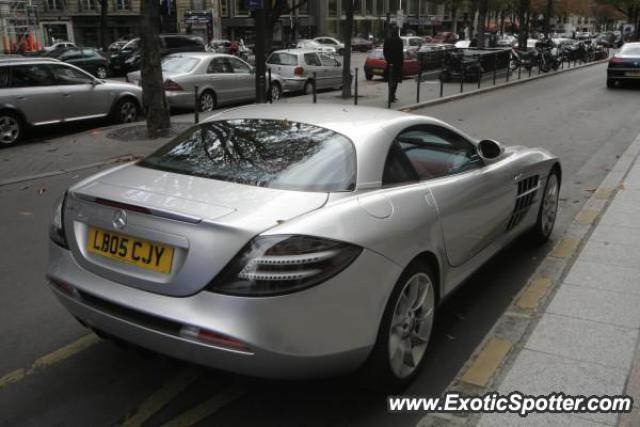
510 83
494 356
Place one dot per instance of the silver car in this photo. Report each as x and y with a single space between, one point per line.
331 42
294 70
300 241
38 92
221 79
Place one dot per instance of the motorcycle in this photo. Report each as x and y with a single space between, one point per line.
547 60
523 58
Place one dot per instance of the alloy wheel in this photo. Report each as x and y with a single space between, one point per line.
411 325
128 112
9 130
275 92
207 102
549 205
101 73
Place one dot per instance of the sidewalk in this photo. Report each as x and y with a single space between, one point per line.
586 339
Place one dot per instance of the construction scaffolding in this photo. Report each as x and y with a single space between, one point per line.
19 26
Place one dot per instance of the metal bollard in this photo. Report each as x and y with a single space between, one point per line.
270 95
315 93
479 77
539 71
495 67
196 110
531 68
389 85
418 80
508 72
462 77
441 86
355 95
519 71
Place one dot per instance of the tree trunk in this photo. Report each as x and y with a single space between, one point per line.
523 8
346 63
454 19
482 16
547 18
104 10
502 18
155 103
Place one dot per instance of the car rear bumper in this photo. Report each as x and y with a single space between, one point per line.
324 330
295 84
623 73
180 99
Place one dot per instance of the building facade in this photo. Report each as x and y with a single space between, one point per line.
79 20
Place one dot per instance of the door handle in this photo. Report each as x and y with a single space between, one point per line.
21 98
66 95
517 177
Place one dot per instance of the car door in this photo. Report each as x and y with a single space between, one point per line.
475 201
314 65
82 97
34 92
244 79
333 70
220 76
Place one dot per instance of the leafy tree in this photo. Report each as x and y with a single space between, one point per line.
629 8
273 10
104 10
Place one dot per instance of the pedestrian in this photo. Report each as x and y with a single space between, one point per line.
394 55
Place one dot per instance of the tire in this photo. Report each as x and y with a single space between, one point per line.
101 72
126 110
611 84
308 87
548 209
276 91
11 129
389 366
207 101
368 76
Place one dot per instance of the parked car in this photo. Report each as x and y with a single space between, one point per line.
432 55
376 65
624 65
61 45
128 58
117 45
87 59
360 44
295 241
412 42
223 46
445 37
43 91
314 45
295 67
331 42
221 79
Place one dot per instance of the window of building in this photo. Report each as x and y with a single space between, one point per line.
224 7
432 8
380 10
55 4
241 9
302 10
367 7
394 5
333 7
412 7
88 5
122 4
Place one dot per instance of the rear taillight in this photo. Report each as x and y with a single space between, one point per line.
615 60
56 229
170 85
299 71
273 265
213 338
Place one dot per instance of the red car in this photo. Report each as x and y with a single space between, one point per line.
376 65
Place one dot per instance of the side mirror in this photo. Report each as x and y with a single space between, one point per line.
95 82
490 150
252 70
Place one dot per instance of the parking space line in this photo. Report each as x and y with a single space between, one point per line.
162 397
52 358
207 408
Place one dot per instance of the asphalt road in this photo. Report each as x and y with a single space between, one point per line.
51 374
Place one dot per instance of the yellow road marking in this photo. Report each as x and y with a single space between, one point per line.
587 216
162 397
565 248
532 296
603 193
207 408
487 362
50 359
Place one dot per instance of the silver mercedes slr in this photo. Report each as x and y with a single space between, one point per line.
295 241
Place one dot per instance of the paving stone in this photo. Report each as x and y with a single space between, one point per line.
616 234
601 276
584 340
537 420
613 254
615 308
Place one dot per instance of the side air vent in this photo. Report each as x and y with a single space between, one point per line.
527 191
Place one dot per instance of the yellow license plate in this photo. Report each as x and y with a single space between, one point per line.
139 252
378 71
632 74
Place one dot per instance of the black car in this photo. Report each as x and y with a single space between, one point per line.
87 59
432 55
128 57
624 65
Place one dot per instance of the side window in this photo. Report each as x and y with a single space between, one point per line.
4 77
312 60
274 59
328 61
69 76
219 65
69 55
239 67
31 75
434 151
397 169
172 42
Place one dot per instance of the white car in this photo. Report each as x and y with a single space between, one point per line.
314 45
331 42
61 45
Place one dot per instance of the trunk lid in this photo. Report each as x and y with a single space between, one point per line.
204 222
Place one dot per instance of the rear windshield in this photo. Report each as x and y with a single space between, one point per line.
376 54
283 59
630 49
266 153
179 64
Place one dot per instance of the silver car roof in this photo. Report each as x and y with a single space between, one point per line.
22 60
296 51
